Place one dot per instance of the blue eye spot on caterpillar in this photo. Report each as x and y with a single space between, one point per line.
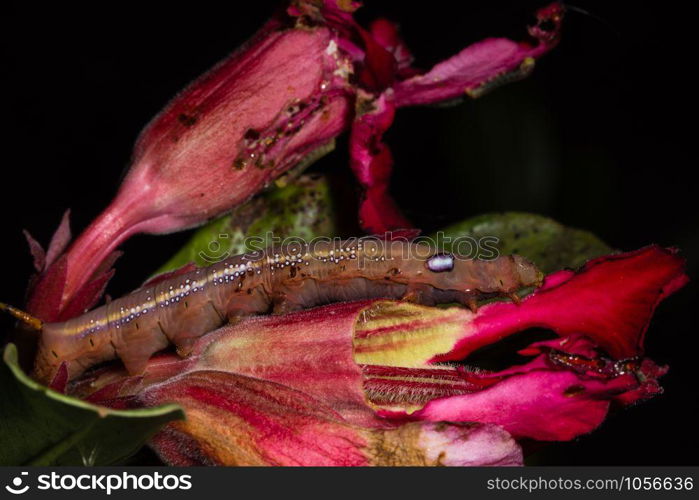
440 263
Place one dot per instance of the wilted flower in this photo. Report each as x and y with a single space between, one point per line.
278 102
373 383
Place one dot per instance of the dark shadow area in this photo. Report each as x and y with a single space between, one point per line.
504 353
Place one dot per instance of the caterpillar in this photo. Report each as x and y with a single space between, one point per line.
179 309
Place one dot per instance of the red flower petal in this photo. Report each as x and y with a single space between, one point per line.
379 65
310 351
386 34
239 420
60 381
45 300
564 392
37 252
87 297
371 161
48 286
610 300
59 240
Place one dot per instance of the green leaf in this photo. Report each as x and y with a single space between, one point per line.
303 209
549 244
43 427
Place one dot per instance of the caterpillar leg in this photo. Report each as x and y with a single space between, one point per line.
419 294
135 345
185 327
514 298
294 296
245 303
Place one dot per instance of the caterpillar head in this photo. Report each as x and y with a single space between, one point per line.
528 273
505 274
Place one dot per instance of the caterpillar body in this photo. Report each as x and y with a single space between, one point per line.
182 308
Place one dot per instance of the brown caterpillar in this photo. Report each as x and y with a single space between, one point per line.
182 308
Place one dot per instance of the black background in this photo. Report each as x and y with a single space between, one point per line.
597 137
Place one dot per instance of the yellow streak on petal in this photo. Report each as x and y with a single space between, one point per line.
403 334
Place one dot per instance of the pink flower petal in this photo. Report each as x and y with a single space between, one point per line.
544 405
469 445
482 66
234 130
